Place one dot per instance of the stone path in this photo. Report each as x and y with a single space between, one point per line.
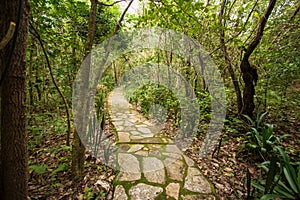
151 167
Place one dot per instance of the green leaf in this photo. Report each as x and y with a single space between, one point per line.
286 194
290 178
39 169
270 196
250 121
260 119
258 186
60 168
289 172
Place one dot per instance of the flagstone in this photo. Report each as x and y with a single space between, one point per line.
128 163
153 170
135 148
195 181
120 193
175 169
123 137
172 190
198 197
143 191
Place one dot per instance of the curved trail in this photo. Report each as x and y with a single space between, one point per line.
149 166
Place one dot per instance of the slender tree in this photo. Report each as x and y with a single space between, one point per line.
78 148
13 13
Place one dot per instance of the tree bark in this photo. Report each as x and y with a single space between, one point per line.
78 148
249 73
228 61
13 169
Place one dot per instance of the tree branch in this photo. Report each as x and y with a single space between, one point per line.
118 25
236 35
259 33
104 4
8 36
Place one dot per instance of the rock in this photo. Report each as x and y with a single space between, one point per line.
144 192
198 197
155 153
195 181
175 169
103 185
126 176
135 133
147 140
173 149
128 163
123 148
172 190
129 167
127 123
140 125
153 170
144 130
119 123
173 155
136 137
120 193
123 137
189 161
142 153
129 129
135 148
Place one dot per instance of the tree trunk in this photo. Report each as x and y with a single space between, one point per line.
249 73
78 148
250 77
13 101
228 61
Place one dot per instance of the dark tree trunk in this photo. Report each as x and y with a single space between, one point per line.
249 73
250 77
13 102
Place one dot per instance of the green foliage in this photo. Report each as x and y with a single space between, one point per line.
39 169
88 193
261 138
62 167
204 102
282 178
259 119
149 95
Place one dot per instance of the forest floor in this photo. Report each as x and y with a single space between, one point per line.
50 160
50 174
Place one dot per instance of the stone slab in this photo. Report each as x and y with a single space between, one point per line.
195 181
175 169
172 190
153 170
198 197
120 193
144 192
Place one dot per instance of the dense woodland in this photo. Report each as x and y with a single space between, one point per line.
255 45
